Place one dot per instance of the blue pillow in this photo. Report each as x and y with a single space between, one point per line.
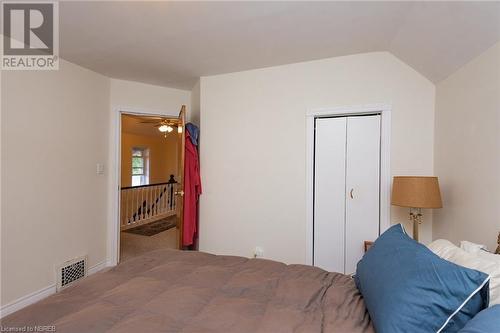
407 288
485 321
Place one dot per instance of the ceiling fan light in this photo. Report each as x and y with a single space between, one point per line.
164 128
169 129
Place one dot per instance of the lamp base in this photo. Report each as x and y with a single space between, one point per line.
416 218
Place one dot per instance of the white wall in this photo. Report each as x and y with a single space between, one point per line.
54 131
254 145
467 151
149 97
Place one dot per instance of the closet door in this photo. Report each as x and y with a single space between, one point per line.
329 193
362 186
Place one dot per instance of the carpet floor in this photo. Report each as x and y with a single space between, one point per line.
132 245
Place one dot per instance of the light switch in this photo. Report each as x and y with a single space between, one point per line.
100 169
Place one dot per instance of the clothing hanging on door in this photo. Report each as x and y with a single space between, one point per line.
192 189
194 132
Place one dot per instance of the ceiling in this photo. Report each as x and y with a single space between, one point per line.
174 43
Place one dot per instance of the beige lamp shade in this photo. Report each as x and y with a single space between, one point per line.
416 192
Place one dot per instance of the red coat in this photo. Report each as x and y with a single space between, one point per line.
192 190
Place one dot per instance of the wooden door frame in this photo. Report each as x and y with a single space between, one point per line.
385 163
113 225
182 180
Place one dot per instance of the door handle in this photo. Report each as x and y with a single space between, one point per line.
181 193
350 193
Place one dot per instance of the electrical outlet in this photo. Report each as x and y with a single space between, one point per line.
100 169
258 252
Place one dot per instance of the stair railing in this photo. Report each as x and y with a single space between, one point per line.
146 203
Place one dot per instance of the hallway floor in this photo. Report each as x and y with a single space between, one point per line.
132 245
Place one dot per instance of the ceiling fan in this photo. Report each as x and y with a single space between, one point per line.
164 125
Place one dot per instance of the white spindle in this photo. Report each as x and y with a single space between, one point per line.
139 198
127 219
167 191
158 211
132 204
128 207
169 196
146 208
154 203
142 203
136 193
162 198
151 203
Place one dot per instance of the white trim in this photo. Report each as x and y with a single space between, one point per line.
385 163
113 239
465 302
29 299
38 295
97 267
403 228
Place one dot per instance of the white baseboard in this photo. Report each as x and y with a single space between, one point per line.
38 295
29 299
98 267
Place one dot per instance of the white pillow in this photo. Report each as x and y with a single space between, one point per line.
481 251
471 247
456 255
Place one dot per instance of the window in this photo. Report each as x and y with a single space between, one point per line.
140 166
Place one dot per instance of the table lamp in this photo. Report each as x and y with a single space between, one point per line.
416 192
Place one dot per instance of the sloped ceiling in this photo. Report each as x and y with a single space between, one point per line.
174 43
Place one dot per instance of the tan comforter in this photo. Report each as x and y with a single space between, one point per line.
174 291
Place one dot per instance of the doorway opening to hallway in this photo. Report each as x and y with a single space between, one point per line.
151 183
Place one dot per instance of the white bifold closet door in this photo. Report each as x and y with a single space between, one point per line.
346 190
329 193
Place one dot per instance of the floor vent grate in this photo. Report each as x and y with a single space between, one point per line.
71 271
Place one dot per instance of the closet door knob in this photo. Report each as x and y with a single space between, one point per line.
350 193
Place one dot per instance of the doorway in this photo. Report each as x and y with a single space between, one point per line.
150 183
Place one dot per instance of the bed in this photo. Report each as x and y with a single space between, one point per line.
176 291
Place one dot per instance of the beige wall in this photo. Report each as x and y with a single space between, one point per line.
54 131
148 97
467 151
162 157
254 145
